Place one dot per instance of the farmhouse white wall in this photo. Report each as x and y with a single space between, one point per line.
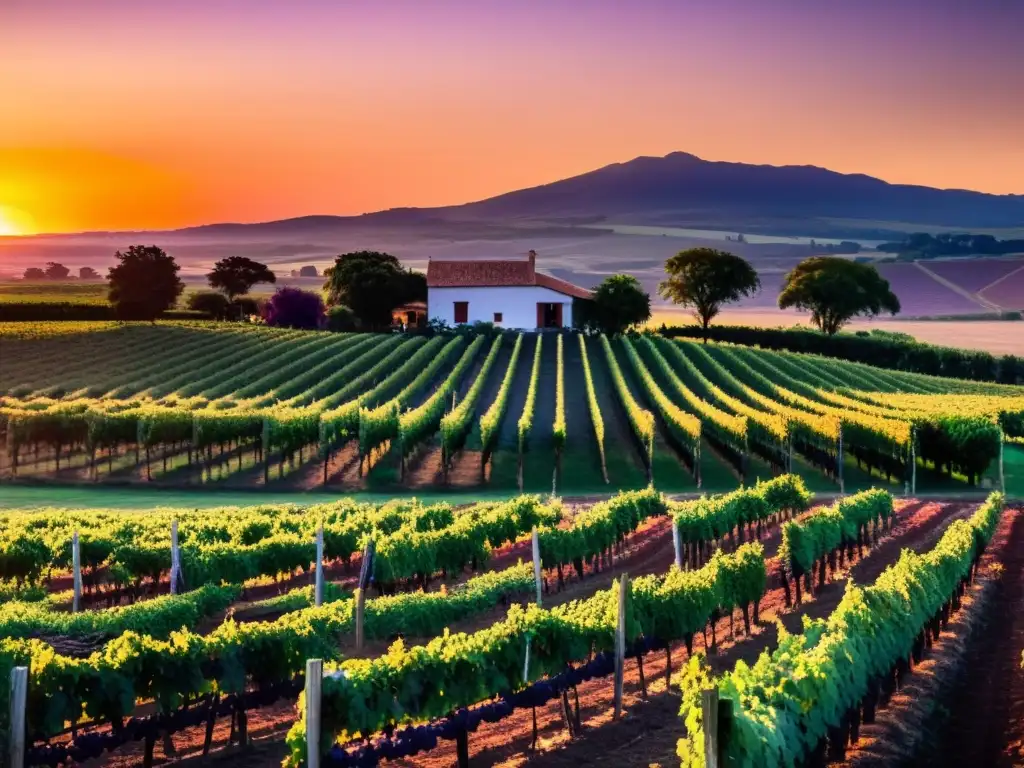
518 304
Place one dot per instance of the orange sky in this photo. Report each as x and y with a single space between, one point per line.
137 115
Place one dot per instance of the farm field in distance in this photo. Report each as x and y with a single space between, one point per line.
738 489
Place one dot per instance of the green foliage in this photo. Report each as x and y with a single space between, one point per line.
705 279
804 542
618 304
236 275
417 425
157 617
525 424
558 428
784 705
364 696
372 284
640 419
490 422
835 290
711 518
210 303
341 319
144 283
596 419
456 424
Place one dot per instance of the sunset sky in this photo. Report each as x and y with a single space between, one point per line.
138 114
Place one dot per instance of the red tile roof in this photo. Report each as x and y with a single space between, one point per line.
490 273
562 286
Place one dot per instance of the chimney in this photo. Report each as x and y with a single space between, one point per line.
532 258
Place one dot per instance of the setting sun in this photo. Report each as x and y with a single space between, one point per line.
13 222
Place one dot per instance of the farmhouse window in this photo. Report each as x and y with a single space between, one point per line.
461 312
497 317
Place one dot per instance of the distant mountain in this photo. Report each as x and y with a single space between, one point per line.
684 188
678 190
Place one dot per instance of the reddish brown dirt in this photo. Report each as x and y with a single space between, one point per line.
982 723
986 719
648 731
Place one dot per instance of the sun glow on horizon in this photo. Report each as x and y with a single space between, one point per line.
13 222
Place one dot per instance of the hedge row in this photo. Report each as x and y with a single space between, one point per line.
65 310
898 354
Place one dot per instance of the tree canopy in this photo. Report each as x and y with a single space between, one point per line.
705 279
235 275
144 283
88 273
56 271
34 273
835 290
372 284
619 303
294 308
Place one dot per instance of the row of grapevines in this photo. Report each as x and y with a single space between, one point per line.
417 425
456 424
157 617
525 424
640 419
806 541
459 670
490 422
339 421
817 428
766 428
685 427
778 722
558 428
595 409
711 518
871 430
106 685
380 424
729 428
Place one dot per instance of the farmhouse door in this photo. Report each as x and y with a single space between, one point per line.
540 314
461 312
557 319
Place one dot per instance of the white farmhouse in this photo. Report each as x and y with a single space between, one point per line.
510 293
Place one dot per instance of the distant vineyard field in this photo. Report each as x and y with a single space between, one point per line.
239 406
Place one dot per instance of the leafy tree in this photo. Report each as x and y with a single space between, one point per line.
34 273
294 308
55 271
88 273
619 303
341 319
705 279
308 271
214 304
144 283
235 275
836 290
372 284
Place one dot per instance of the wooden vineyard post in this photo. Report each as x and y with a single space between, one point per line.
677 545
318 588
175 558
712 743
913 463
365 577
360 607
839 462
696 464
314 691
76 570
1002 477
620 644
536 564
18 707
